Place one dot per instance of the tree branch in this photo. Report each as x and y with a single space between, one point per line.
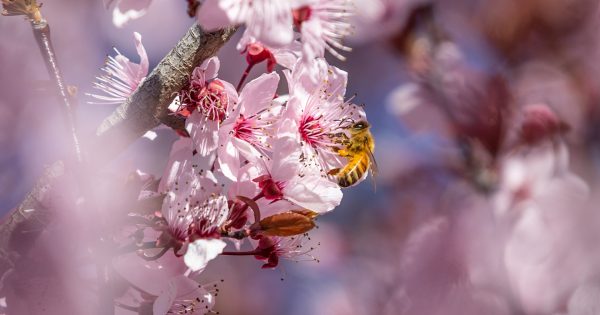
144 110
20 229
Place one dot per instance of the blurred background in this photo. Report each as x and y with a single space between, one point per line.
485 115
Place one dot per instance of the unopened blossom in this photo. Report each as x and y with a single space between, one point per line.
285 178
257 52
269 21
205 103
127 10
249 130
323 24
321 114
121 76
272 249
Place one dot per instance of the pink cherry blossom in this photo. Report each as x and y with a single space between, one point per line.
285 178
193 228
246 185
544 204
249 130
206 102
323 24
269 21
122 76
320 113
193 208
528 175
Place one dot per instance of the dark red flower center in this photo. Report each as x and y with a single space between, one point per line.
243 129
311 130
271 189
211 99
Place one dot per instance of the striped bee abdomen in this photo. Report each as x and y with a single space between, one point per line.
354 170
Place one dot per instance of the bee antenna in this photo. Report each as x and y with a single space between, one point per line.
346 119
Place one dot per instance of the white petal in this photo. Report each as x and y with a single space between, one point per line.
200 252
314 192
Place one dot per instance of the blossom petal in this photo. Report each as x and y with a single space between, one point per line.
204 133
229 159
259 93
210 67
271 22
314 192
216 14
201 251
181 151
144 63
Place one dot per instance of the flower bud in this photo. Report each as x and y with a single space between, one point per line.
288 223
257 53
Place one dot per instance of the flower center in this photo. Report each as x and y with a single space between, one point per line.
243 129
271 189
311 130
211 99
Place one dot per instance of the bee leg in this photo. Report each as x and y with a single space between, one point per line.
341 138
342 152
334 171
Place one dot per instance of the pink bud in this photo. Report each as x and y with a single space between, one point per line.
257 53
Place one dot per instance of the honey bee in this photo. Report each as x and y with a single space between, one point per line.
358 149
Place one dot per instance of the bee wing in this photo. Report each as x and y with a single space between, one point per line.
373 167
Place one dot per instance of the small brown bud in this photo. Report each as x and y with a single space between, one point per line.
289 223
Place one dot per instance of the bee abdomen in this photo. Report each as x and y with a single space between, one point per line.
353 171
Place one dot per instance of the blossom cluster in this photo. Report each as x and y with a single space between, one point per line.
255 161
277 30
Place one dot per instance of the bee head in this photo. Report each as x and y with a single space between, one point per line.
361 125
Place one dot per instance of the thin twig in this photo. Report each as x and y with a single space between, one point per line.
41 32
